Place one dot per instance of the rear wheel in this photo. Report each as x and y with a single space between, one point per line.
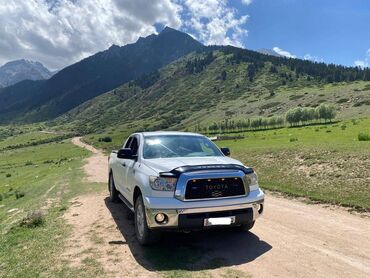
113 192
144 235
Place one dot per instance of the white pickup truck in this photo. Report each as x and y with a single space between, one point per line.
182 181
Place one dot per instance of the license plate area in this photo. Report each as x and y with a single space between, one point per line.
217 221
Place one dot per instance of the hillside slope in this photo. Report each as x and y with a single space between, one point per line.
93 76
216 85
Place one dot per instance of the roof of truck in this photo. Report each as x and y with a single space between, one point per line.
156 133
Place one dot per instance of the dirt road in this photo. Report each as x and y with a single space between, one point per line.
292 239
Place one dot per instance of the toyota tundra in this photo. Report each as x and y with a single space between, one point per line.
182 181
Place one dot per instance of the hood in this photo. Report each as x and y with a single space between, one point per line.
168 164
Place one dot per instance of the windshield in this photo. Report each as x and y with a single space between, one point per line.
164 146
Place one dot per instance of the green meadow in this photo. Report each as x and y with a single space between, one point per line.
325 163
36 186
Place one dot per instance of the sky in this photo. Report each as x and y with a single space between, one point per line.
61 32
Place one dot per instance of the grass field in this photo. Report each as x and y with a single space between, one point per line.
39 179
322 162
31 138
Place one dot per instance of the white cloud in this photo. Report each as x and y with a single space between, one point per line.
365 62
60 32
361 63
313 58
283 52
214 22
247 2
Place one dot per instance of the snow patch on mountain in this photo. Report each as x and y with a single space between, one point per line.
19 70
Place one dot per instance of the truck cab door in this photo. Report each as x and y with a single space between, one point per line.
120 170
131 165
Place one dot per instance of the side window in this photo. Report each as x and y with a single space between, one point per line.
128 142
134 146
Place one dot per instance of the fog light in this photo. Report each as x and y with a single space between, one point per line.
160 218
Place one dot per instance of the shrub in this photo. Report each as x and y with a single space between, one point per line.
294 97
343 126
61 160
28 163
362 136
33 220
365 102
1 197
270 105
63 208
343 100
328 131
293 139
19 194
8 175
105 139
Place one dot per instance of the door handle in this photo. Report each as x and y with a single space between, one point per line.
123 164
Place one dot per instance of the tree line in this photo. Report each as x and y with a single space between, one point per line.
294 117
327 73
301 116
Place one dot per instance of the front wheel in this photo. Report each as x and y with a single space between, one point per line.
113 192
144 235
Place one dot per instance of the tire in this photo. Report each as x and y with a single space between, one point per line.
245 227
144 235
113 192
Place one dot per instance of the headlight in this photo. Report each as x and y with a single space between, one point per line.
251 179
163 183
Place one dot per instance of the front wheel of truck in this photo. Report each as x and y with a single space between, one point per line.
113 192
144 235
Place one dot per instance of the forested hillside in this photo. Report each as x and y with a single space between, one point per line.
223 83
93 76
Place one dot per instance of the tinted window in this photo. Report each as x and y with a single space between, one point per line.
134 146
128 142
179 146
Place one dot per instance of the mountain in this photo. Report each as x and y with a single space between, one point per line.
216 84
267 51
19 70
171 80
93 76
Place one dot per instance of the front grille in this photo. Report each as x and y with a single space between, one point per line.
214 188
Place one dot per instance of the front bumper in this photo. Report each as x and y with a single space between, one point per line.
190 215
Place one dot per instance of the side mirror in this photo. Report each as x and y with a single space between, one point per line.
126 153
225 151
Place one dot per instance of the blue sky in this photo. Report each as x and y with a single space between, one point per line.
336 31
61 32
